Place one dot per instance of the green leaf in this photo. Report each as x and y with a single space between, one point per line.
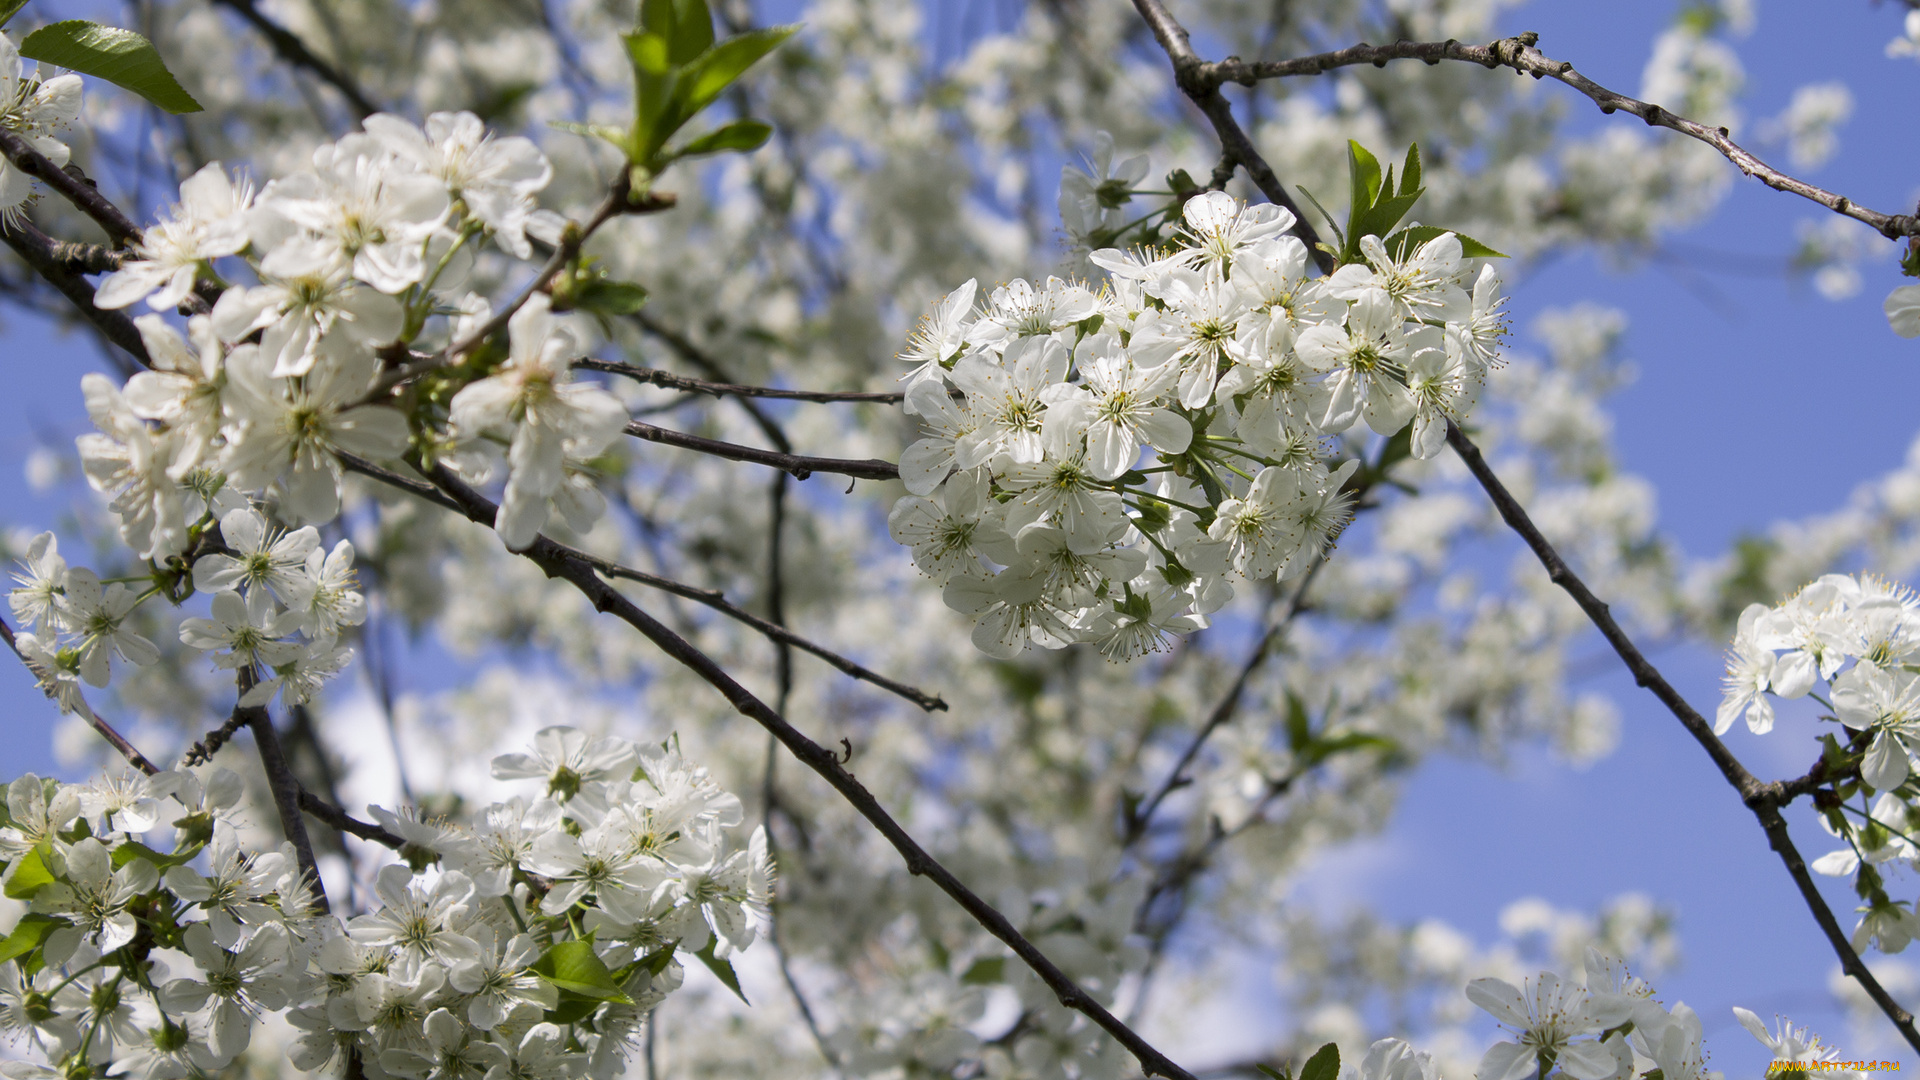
1323 1065
1363 176
1340 239
1384 215
29 875
722 970
1322 749
686 25
741 135
575 968
1275 1074
719 67
649 52
133 849
28 934
121 57
1410 171
1408 240
1298 733
985 971
610 297
10 8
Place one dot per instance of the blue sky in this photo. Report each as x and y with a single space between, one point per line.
1755 400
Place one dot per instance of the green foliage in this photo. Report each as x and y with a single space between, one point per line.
574 968
985 971
29 874
680 68
1323 1065
28 935
10 8
1376 205
722 969
121 57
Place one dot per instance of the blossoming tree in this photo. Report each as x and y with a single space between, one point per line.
1147 596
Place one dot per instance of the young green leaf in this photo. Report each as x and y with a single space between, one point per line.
27 935
1299 734
121 57
687 26
1340 239
10 8
985 971
1410 170
1323 1065
721 970
574 967
741 135
720 66
1408 240
28 875
1363 174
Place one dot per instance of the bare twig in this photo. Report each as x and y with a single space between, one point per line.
1764 799
295 52
1519 54
710 597
670 381
284 785
800 465
558 563
345 822
87 199
107 731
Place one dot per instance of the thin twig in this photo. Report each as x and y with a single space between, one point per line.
345 822
712 598
84 196
556 562
1764 799
800 466
1519 54
284 785
670 381
107 731
295 52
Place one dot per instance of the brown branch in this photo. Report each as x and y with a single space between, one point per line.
558 563
670 381
84 196
295 52
41 253
800 465
1764 799
1519 54
345 822
284 785
712 598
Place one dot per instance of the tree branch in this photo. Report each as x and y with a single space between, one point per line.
106 731
800 465
295 52
1519 54
41 253
84 196
670 381
557 562
1764 799
712 598
345 822
1188 70
285 787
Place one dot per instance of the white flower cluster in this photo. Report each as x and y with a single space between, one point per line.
1230 360
529 944
1860 636
35 111
1609 1029
279 601
354 258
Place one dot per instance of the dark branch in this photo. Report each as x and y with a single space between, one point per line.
670 381
1764 799
346 823
107 731
1519 54
284 785
800 465
295 52
84 196
42 254
712 598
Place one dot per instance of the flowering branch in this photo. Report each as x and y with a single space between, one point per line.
668 380
1519 54
559 562
295 52
1764 799
107 731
